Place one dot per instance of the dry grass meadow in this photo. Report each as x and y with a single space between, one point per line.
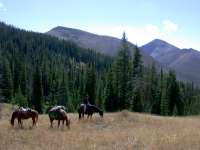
116 131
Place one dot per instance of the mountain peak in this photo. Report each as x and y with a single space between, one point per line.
183 61
101 43
158 40
158 47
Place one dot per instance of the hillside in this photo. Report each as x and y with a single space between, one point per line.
60 67
122 130
184 61
103 44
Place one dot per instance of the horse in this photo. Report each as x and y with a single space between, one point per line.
21 114
90 109
59 115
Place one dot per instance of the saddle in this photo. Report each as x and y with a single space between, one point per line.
24 109
58 108
85 107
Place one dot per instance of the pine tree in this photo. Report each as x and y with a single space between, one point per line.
164 104
63 92
54 89
23 80
90 88
16 75
6 82
45 83
122 76
157 101
99 96
153 83
136 81
111 103
37 94
174 94
20 99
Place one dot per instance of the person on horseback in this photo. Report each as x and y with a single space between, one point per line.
86 102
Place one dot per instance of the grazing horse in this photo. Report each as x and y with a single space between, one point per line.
21 114
59 115
90 109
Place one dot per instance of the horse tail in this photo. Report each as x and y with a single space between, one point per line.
13 118
36 116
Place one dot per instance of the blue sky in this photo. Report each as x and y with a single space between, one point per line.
176 21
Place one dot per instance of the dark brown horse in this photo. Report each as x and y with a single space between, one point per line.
90 110
59 115
21 114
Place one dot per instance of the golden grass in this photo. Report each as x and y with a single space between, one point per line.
116 131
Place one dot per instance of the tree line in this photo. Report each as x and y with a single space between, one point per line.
40 71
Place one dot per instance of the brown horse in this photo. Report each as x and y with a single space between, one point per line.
90 110
59 115
20 115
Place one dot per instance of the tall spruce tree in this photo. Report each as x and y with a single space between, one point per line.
136 81
164 103
37 94
122 76
90 87
6 82
23 80
111 103
20 99
16 74
174 94
157 101
99 94
63 91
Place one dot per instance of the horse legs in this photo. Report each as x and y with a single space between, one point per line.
33 119
83 115
20 123
91 115
63 122
51 121
58 123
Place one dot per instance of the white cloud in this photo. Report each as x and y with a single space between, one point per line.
2 7
169 25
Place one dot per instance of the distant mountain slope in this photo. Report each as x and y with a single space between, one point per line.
104 44
186 62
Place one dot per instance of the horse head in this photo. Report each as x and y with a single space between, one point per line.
14 115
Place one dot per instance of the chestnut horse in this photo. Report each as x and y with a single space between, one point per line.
90 109
59 115
20 115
